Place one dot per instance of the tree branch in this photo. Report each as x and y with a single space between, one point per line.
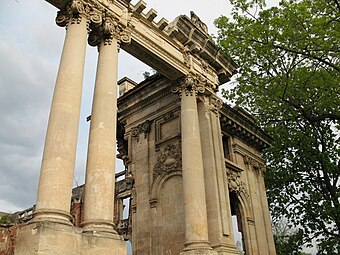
307 54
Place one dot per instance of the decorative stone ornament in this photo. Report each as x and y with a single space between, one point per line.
144 127
235 184
105 32
254 163
74 11
109 29
197 21
212 103
169 160
190 84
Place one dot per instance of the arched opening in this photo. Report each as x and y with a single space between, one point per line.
238 223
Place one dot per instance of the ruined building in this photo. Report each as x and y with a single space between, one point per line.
191 161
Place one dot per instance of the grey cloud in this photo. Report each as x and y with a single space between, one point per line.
26 85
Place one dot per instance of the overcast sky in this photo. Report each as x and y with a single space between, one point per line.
30 50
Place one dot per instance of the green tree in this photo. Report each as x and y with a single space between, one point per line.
287 240
288 78
6 219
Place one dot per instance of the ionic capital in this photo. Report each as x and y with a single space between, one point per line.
212 103
73 12
108 30
255 164
191 85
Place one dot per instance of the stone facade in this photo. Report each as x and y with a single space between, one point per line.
231 145
191 161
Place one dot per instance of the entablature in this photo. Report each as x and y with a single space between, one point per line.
174 50
237 123
148 92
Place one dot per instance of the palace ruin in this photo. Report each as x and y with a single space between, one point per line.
191 161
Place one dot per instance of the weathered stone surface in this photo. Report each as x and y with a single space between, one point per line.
190 162
59 239
7 239
233 183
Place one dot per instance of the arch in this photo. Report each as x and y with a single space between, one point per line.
158 183
239 203
244 201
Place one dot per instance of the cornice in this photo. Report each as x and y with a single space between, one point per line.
243 127
145 94
165 46
191 33
244 152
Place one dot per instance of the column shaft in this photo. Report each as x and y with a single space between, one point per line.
57 169
196 227
100 170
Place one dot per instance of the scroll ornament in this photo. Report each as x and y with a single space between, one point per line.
144 127
254 163
109 29
74 11
235 184
191 85
169 160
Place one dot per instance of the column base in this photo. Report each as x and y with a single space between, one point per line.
53 216
227 251
106 228
198 248
199 252
47 237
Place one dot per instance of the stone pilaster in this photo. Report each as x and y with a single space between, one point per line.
56 177
196 225
100 170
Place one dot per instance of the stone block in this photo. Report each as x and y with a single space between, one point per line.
43 238
93 244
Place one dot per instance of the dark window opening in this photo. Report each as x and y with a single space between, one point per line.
237 223
226 147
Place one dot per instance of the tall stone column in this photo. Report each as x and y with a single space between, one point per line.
100 169
57 169
195 213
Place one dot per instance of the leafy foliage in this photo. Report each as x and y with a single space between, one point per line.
147 74
6 219
287 240
289 79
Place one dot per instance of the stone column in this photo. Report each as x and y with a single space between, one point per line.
100 169
195 214
56 177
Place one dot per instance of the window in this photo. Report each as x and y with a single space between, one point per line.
237 223
226 147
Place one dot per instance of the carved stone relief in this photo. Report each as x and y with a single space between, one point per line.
256 165
109 29
197 21
191 85
235 184
101 25
211 102
144 128
169 160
